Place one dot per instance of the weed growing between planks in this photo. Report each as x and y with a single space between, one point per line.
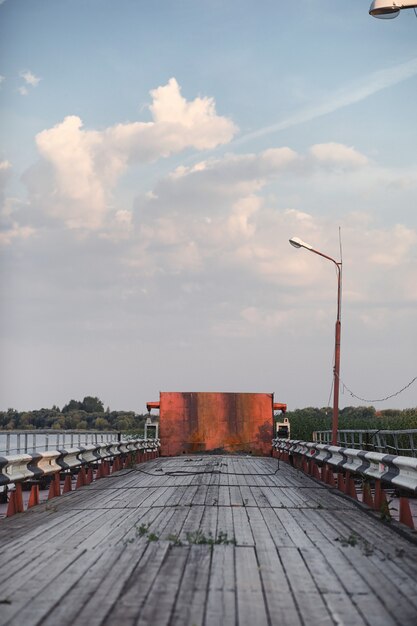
198 537
354 540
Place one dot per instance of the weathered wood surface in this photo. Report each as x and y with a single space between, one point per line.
205 540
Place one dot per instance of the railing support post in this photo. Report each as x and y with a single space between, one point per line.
34 496
405 512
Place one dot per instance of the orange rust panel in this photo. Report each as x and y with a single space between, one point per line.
152 405
208 422
278 406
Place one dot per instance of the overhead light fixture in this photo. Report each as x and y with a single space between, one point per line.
388 9
299 243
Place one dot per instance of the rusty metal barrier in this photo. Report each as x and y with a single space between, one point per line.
88 463
337 467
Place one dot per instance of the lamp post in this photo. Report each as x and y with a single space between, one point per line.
388 9
298 243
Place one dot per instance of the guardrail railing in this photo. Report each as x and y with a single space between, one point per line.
399 442
339 467
87 463
26 441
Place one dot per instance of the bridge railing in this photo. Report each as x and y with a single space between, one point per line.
27 441
398 442
349 468
86 463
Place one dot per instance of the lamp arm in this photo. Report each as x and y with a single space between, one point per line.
338 265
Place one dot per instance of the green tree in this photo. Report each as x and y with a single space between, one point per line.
101 423
92 404
73 405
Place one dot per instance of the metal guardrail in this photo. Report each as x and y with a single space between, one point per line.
20 467
26 441
87 463
338 466
398 442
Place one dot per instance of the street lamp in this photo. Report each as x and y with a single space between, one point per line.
388 9
298 243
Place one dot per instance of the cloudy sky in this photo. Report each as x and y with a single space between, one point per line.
155 159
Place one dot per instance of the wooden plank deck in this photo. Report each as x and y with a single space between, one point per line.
205 540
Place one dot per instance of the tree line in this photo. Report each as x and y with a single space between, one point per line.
305 421
88 414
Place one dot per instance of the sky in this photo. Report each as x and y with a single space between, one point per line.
155 159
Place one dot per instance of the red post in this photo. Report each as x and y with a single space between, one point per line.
34 496
367 495
80 478
54 487
336 378
67 483
15 501
405 513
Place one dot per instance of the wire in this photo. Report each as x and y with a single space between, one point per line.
393 395
186 473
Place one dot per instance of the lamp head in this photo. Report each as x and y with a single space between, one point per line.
299 243
385 9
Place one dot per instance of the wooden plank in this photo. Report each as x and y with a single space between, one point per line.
279 598
296 533
235 496
190 603
160 601
16 574
247 496
386 599
260 530
250 596
242 529
224 495
92 597
175 524
212 497
201 495
338 601
33 596
309 600
208 524
225 523
192 522
356 583
276 528
221 600
135 591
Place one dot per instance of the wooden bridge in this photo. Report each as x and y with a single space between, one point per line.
205 540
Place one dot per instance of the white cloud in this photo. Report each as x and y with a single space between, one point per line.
5 171
391 247
30 78
86 164
23 91
5 165
2 79
15 231
338 154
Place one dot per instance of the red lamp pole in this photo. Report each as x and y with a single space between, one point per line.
297 243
